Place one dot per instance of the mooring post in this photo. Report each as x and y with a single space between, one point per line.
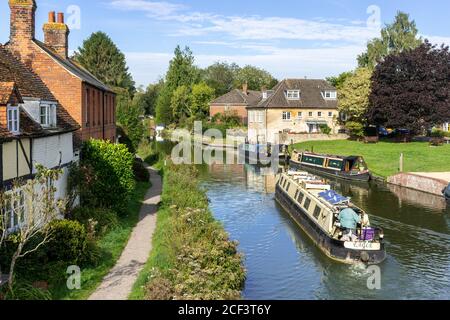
401 162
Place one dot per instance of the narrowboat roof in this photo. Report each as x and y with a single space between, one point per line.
333 156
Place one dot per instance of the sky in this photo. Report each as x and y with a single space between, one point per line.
288 38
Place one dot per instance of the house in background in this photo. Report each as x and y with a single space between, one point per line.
293 106
236 102
34 129
89 102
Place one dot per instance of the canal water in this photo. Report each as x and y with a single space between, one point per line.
283 263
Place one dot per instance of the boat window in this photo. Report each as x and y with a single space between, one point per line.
284 184
313 160
307 203
317 212
300 197
336 164
288 186
281 180
296 194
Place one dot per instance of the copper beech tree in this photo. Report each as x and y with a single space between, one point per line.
411 90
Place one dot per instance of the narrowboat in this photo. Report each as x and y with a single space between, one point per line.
315 208
262 154
349 168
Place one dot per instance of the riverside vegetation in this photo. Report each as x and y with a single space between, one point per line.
192 257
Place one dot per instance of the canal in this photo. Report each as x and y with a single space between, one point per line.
283 263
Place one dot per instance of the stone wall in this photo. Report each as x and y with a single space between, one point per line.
304 137
417 182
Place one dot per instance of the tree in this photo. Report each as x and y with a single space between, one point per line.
34 206
129 113
221 76
101 57
182 71
255 78
150 96
411 90
181 103
201 97
338 81
395 38
354 95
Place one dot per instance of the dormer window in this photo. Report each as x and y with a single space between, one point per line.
48 115
293 94
332 95
13 119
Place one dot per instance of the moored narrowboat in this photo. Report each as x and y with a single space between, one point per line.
350 168
262 154
317 210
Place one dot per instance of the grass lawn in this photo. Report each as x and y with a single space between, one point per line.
383 158
112 245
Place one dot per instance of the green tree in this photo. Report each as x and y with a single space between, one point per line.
182 71
354 95
181 104
129 113
401 35
255 78
221 76
150 96
201 97
338 81
101 57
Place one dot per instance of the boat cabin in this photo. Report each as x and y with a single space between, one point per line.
346 164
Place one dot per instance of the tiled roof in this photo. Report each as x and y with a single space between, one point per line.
237 97
310 95
6 89
31 86
74 68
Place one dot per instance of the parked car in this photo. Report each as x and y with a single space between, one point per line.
383 132
446 193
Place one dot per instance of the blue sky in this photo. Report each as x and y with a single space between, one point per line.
289 38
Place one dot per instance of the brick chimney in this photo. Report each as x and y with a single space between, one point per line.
56 34
22 27
245 88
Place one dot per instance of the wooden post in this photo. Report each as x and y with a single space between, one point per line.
401 162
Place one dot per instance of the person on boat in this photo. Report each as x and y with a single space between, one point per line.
349 220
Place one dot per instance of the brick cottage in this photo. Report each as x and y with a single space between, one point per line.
90 102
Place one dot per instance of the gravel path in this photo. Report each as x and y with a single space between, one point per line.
117 285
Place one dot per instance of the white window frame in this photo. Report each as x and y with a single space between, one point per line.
49 115
14 123
310 114
330 95
286 116
299 115
319 114
261 116
14 212
330 114
251 116
293 94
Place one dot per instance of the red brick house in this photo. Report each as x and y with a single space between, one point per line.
236 102
90 103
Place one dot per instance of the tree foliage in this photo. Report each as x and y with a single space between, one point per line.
101 57
221 76
201 97
401 35
354 94
411 90
129 113
338 81
181 103
256 78
149 97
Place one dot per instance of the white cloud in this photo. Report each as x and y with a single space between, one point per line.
438 40
151 7
282 63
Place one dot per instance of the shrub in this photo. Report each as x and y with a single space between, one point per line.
325 129
439 133
141 173
356 129
68 243
102 219
111 179
27 292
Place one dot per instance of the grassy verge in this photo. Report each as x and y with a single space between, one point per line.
383 158
111 246
192 257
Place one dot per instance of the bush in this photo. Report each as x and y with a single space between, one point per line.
141 173
111 179
325 129
101 219
69 242
27 292
124 139
356 129
439 133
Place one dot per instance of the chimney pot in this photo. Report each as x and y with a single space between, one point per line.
60 17
245 88
51 17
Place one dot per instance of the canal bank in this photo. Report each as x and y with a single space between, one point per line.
429 182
